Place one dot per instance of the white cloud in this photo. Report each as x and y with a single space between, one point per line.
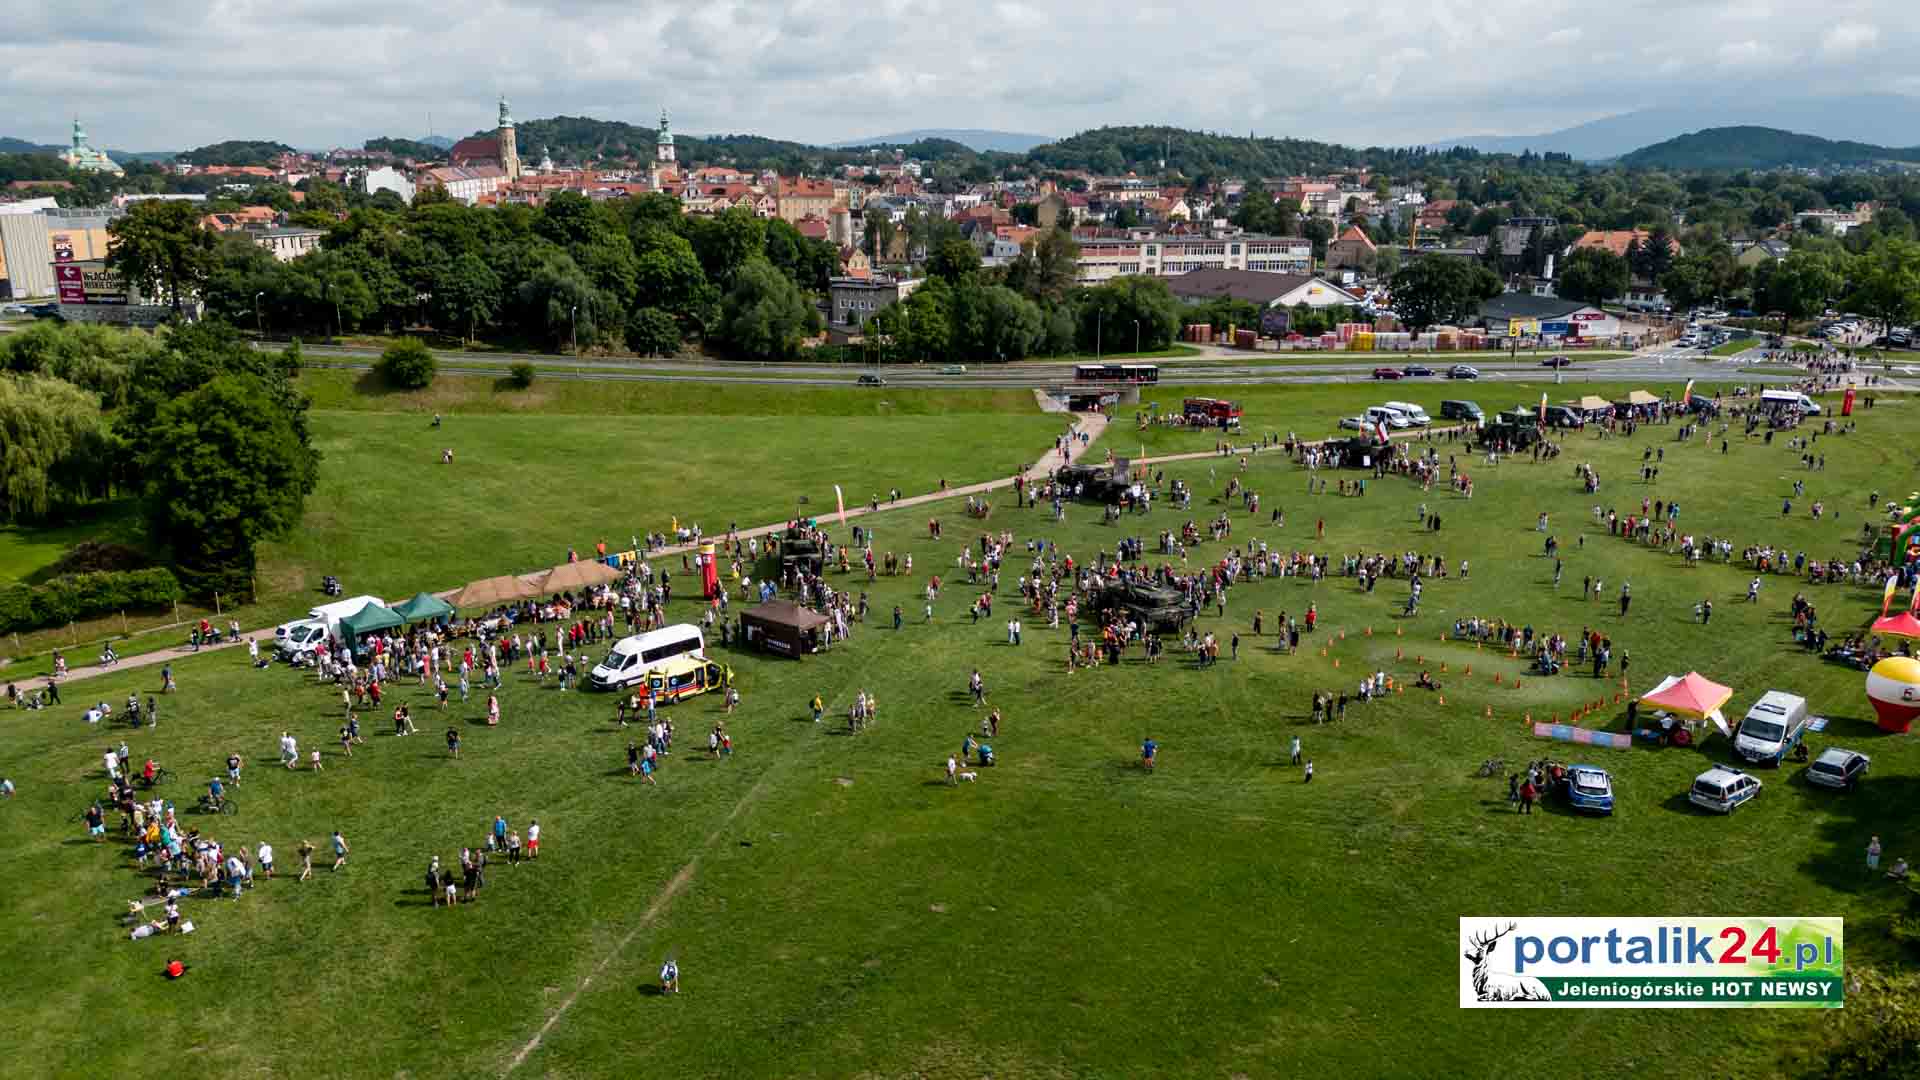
166 74
1848 38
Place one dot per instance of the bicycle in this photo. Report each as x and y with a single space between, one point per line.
224 806
1492 767
163 775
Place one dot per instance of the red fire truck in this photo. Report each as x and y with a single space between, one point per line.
1212 411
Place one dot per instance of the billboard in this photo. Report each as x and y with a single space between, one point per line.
89 282
1276 322
1554 328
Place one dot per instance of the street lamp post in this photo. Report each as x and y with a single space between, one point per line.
1097 323
259 321
573 324
1136 336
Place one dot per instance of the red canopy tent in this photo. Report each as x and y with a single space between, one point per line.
1901 625
1692 694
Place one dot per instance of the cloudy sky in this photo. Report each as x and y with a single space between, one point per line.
170 74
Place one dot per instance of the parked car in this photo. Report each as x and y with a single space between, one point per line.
1556 362
1838 768
1463 371
1588 787
1415 371
1386 373
1354 423
871 380
1722 788
954 369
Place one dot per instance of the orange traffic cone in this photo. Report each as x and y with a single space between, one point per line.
1369 631
1343 635
1398 655
1529 719
1399 632
1468 670
1336 661
1489 712
1443 699
1516 684
1496 679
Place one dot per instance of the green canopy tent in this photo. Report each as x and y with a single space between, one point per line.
372 617
424 607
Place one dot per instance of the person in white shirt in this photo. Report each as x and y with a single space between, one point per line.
533 839
112 761
265 855
253 649
289 750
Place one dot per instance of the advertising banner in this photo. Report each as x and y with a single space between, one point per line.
89 282
1740 962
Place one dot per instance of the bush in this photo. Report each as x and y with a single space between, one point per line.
521 375
653 332
81 596
407 364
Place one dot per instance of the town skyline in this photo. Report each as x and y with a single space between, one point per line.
170 77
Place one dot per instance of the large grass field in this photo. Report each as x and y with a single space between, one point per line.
566 463
838 910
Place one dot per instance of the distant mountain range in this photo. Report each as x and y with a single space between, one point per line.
1883 118
1731 148
440 141
978 140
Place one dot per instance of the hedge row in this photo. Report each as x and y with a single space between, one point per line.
80 596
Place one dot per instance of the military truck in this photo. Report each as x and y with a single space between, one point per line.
1513 430
799 553
1155 607
1095 483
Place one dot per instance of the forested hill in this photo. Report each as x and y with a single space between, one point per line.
1735 148
1113 150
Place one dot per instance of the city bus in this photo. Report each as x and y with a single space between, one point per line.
1117 373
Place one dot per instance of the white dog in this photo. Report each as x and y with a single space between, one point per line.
969 777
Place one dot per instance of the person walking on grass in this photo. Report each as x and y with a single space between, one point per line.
340 850
1308 778
493 710
305 851
533 839
953 771
1295 758
818 706
1873 855
453 742
977 687
1528 793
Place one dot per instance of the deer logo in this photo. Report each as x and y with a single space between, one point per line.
1488 986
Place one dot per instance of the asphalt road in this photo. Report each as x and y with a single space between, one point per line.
1215 365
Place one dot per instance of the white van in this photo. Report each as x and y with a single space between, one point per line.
305 635
630 659
1772 728
1416 415
1388 415
1780 399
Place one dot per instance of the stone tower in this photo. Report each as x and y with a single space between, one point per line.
509 144
663 143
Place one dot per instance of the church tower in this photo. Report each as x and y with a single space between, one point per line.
663 148
509 144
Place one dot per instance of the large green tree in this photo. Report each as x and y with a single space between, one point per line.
52 445
765 315
225 468
466 294
1886 282
1593 275
1800 285
1128 310
161 248
1439 290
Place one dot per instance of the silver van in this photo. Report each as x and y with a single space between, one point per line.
1772 728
